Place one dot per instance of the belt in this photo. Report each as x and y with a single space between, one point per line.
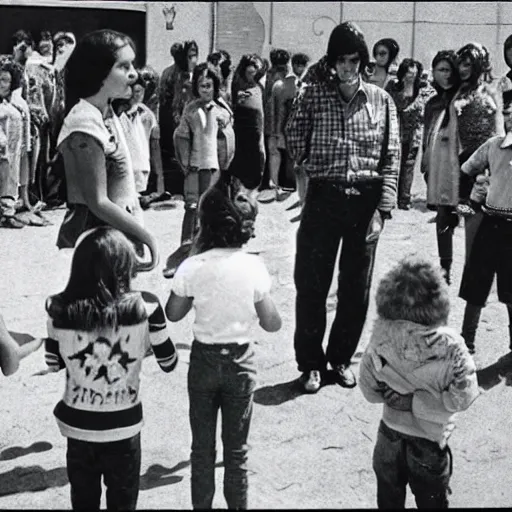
351 188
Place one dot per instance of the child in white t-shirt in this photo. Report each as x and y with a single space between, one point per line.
229 290
142 134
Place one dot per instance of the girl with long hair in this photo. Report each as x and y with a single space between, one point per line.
229 302
98 168
204 142
410 95
99 331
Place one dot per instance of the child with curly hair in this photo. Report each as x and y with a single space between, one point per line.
229 290
422 372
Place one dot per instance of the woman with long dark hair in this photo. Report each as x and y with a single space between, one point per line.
410 95
439 163
99 175
247 97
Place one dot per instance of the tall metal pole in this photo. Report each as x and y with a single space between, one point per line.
341 12
498 27
271 24
413 38
213 39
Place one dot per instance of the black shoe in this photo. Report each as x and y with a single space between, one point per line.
311 381
404 206
344 375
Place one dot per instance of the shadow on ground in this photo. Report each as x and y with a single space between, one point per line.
19 451
31 479
158 475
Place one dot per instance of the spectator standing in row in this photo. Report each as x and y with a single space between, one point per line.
205 144
221 63
279 68
175 93
247 96
143 137
439 163
410 95
349 196
385 52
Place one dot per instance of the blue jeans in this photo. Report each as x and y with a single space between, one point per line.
220 377
400 459
328 215
117 461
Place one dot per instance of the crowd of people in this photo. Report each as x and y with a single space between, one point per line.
80 125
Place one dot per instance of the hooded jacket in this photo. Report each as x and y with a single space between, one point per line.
432 363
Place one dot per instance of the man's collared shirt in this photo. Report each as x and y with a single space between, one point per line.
340 141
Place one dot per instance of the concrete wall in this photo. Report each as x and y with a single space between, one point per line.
193 21
421 28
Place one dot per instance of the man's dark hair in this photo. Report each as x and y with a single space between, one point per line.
391 45
300 59
181 54
346 39
22 36
405 65
279 57
478 58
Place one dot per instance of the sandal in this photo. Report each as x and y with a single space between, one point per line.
11 222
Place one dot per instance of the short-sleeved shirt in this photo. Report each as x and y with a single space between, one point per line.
225 285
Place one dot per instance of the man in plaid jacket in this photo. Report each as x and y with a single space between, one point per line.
345 132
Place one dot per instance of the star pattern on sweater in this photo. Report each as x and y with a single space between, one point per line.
101 359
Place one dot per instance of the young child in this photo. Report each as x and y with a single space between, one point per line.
11 353
99 331
204 142
491 252
143 137
229 290
423 373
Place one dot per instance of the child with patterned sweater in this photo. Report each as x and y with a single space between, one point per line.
422 372
99 331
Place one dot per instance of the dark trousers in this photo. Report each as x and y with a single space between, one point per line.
118 462
399 459
406 176
220 377
328 215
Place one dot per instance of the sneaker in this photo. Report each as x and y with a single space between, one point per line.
267 196
311 381
344 375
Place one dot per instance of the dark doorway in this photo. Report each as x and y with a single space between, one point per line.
78 20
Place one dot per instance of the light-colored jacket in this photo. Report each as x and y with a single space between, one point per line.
432 363
205 140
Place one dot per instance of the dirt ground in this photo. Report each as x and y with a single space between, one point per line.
308 451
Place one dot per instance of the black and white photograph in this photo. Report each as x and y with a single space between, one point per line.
254 255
